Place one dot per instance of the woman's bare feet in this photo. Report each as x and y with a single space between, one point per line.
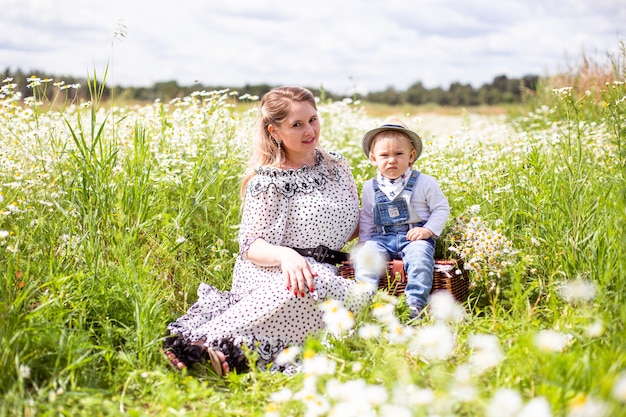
174 362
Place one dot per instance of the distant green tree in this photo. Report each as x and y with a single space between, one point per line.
500 90
439 96
388 96
168 90
461 95
417 94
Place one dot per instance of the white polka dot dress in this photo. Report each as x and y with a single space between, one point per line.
300 208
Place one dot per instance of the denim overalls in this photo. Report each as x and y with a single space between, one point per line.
391 219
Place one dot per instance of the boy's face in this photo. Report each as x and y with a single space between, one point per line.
392 155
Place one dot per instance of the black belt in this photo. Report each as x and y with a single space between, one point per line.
324 254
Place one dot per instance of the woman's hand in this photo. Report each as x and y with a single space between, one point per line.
419 233
297 272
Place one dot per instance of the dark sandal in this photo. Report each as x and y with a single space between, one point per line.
178 351
215 361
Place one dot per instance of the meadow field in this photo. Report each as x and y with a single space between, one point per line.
110 217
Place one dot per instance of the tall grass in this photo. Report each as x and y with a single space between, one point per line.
110 217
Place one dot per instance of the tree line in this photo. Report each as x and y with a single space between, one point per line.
502 90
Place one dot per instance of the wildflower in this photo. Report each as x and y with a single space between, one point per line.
361 291
181 239
4 234
537 407
355 397
595 329
318 365
434 342
485 251
412 396
13 208
619 389
563 92
551 341
390 410
288 355
33 81
444 307
351 409
24 371
504 403
337 318
585 406
369 331
281 396
315 404
309 384
272 410
486 352
397 332
383 311
578 291
373 394
462 388
475 209
369 259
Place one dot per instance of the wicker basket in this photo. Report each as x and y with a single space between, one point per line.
449 275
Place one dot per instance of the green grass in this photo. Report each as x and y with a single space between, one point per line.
112 216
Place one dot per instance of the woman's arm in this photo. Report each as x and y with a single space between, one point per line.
297 272
261 232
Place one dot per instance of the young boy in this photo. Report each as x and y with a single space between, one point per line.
403 211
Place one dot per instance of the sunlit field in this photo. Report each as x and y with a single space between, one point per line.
111 216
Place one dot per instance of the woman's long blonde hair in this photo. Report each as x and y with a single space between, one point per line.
275 106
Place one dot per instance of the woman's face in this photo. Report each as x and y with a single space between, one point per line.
299 132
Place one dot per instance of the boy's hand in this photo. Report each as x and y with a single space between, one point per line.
419 233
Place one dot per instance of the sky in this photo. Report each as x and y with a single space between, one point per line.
343 46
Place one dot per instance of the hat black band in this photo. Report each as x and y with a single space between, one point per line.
398 126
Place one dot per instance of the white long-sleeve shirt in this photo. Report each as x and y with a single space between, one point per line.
427 201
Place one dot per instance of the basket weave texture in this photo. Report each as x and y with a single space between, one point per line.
449 275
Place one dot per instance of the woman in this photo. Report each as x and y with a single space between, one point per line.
300 208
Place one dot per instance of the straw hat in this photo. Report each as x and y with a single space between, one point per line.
393 123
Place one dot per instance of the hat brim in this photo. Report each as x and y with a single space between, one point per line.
415 139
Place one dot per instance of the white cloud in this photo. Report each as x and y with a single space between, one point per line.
342 44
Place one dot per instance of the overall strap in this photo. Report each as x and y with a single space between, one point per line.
412 181
378 194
